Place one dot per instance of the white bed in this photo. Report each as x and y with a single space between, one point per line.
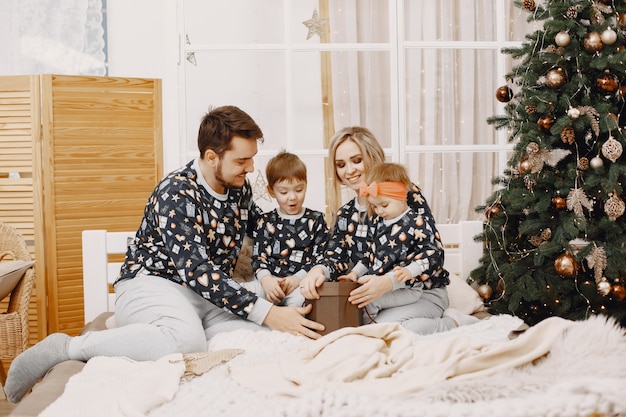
495 366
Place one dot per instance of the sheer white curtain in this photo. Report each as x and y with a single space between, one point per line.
52 36
447 94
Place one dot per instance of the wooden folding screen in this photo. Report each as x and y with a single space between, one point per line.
94 164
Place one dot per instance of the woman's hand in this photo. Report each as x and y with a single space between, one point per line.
371 289
311 282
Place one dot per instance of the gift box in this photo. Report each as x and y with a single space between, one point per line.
332 309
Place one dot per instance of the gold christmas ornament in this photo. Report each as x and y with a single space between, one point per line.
612 149
555 77
565 265
609 36
524 166
492 211
614 207
607 82
562 38
504 94
484 291
618 292
545 123
593 42
559 202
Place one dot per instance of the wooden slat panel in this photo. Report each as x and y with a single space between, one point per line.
19 130
104 140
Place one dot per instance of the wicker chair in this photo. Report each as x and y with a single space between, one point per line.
14 322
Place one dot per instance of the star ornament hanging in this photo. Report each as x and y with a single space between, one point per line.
316 26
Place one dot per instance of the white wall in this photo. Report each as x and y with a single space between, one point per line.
143 42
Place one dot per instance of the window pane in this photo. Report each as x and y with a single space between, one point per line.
450 20
452 194
234 21
253 81
518 26
450 93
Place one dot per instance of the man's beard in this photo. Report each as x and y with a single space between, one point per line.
220 178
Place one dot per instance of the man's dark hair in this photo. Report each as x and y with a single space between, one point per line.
220 124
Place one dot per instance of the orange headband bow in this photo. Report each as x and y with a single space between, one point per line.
395 190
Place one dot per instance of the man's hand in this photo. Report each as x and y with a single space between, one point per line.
311 282
292 320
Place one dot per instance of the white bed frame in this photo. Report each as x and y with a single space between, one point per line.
462 254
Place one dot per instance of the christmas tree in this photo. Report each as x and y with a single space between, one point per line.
555 230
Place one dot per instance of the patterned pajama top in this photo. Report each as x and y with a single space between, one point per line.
401 242
193 237
288 245
348 243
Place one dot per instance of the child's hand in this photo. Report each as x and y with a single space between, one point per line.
272 287
289 284
401 274
350 276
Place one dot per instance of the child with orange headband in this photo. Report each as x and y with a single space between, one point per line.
397 243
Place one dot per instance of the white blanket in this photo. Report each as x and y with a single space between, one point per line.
583 373
558 368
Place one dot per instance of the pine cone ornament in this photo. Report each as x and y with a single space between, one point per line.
529 5
568 135
572 12
531 109
583 164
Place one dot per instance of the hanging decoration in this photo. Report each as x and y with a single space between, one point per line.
316 26
612 149
597 261
614 206
577 200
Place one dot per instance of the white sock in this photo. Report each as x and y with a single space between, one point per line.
460 318
30 366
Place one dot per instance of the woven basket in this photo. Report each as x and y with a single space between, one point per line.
14 322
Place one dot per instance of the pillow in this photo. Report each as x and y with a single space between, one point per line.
10 274
463 297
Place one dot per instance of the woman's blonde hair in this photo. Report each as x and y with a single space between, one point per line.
370 149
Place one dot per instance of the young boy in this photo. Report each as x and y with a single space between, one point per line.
288 240
397 244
